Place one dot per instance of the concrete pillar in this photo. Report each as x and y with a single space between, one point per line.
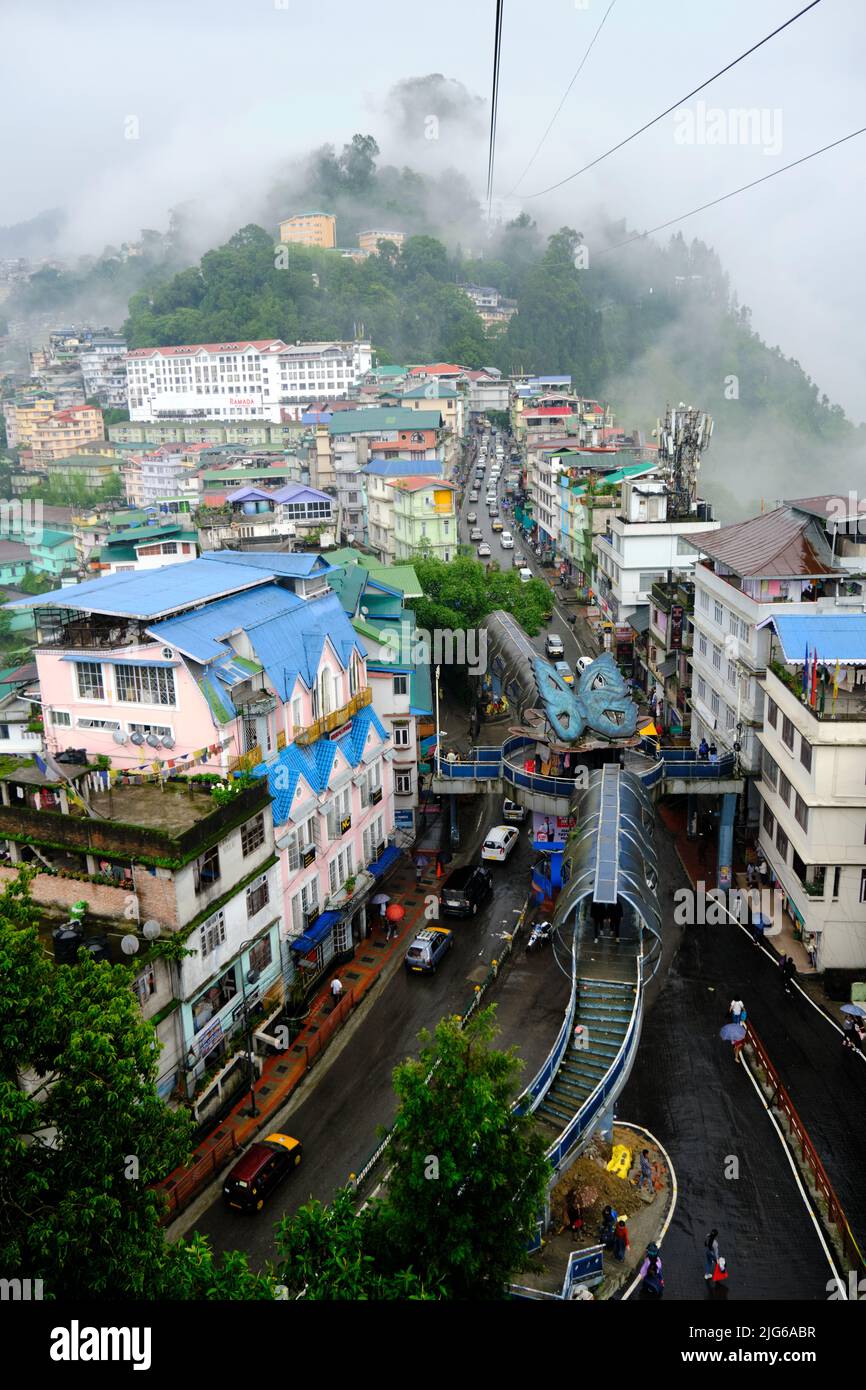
726 840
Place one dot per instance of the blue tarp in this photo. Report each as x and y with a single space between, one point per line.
384 862
316 933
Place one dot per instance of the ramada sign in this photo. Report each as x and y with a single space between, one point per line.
241 400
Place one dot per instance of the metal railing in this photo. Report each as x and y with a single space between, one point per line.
326 723
780 1100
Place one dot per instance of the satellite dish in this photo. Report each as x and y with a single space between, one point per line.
168 741
129 945
151 929
137 739
119 736
153 741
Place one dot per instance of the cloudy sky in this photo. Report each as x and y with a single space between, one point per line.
216 91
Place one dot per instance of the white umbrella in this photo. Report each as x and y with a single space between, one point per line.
381 898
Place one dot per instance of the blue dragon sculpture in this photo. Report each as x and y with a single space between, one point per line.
600 701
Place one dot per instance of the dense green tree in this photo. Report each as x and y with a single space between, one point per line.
460 594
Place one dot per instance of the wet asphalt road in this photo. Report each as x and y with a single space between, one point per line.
349 1094
687 1090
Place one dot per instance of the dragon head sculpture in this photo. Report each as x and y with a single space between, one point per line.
600 701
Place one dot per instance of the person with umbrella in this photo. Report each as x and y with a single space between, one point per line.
853 1015
734 1033
381 901
394 913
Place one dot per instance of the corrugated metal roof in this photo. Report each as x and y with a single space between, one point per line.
201 634
400 468
155 593
378 419
781 544
316 763
835 636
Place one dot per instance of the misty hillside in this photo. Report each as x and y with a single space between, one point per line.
638 326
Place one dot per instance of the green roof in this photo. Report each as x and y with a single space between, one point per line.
392 370
366 630
52 539
143 533
86 461
439 392
402 577
377 418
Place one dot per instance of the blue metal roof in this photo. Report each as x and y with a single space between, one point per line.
384 862
158 592
200 634
291 564
835 636
403 468
315 763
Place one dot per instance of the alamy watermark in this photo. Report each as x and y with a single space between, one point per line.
719 125
21 520
444 646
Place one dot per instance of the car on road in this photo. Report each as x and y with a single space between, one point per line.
473 496
499 842
476 534
260 1170
483 551
464 891
496 524
472 517
553 647
519 560
525 575
506 540
564 670
582 663
513 811
428 949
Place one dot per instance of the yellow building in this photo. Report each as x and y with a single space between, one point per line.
369 241
310 229
21 420
65 432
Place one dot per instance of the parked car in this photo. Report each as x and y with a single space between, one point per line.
476 534
472 517
465 890
499 842
483 551
513 811
428 949
506 540
497 524
565 671
261 1169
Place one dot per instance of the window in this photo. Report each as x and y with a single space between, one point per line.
212 933
401 685
784 789
862 885
253 834
768 768
145 685
703 600
730 717
745 631
401 735
296 713
787 732
782 843
718 612
61 718
144 985
717 657
769 821
702 644
837 874
258 896
732 673
403 783
702 688
801 811
772 712
733 624
715 702
207 869
89 679
806 753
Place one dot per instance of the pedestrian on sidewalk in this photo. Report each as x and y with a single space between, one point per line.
736 1010
652 1283
420 865
711 1253
719 1275
336 990
620 1240
646 1172
848 1034
789 970
763 872
751 875
607 1230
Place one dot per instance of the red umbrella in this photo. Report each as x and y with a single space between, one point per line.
395 913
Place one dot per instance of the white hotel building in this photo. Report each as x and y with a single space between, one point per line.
263 380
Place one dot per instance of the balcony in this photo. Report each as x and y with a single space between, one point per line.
848 707
328 722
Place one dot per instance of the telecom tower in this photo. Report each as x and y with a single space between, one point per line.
682 438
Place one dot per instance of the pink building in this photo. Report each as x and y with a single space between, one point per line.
226 663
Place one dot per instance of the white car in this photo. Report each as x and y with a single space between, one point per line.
499 842
553 647
483 551
506 540
582 663
525 575
513 811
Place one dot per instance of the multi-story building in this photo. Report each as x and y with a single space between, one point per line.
390 433
158 540
234 662
250 435
369 241
494 310
103 370
251 381
812 779
22 416
54 553
425 519
89 471
641 545
668 646
310 229
380 500
149 477
64 433
746 571
451 402
261 518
